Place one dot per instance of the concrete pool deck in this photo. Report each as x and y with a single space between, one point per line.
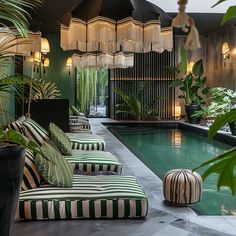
162 220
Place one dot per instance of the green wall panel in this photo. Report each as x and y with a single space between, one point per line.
57 72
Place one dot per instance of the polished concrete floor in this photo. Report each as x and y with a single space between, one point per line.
162 220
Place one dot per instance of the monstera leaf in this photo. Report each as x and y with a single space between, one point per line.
224 166
220 122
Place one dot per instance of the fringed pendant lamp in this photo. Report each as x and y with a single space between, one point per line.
183 21
13 44
113 29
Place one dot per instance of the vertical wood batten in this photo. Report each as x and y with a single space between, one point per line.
148 68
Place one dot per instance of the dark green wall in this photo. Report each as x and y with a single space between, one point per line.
57 72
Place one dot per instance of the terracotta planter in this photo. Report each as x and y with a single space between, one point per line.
12 160
190 110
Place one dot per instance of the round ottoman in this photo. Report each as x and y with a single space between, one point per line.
182 187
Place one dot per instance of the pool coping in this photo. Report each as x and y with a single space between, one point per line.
224 224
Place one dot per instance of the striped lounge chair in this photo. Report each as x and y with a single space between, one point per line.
94 162
85 162
79 125
33 130
91 197
84 141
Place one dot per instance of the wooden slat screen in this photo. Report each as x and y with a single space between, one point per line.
148 67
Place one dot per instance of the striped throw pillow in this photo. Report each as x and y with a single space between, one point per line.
54 168
35 131
17 126
31 177
60 139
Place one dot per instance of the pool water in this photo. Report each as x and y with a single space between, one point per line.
162 149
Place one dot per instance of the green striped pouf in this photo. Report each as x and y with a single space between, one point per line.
182 187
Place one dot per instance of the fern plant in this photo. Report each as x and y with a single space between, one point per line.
45 90
132 104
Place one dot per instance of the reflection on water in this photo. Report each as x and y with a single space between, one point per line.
176 139
165 149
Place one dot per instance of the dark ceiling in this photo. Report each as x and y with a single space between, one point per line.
47 17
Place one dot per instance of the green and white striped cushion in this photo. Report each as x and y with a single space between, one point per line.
54 168
35 131
94 161
86 141
31 177
90 197
60 139
17 126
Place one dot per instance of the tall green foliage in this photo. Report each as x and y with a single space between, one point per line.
103 82
86 89
193 83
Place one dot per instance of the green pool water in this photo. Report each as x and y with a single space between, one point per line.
164 149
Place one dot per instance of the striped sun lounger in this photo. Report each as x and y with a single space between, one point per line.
86 141
80 141
91 197
96 161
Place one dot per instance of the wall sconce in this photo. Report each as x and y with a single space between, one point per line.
39 57
69 64
45 47
225 52
45 64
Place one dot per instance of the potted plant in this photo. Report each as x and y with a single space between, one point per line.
12 12
222 101
224 164
192 84
12 160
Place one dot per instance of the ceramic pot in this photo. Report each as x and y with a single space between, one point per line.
12 160
190 110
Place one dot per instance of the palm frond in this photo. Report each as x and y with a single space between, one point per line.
45 90
15 12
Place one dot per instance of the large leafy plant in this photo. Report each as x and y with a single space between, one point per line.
222 101
132 104
230 13
14 12
224 164
191 83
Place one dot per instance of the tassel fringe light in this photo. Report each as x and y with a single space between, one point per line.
183 21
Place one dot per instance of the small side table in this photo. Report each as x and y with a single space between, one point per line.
182 187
